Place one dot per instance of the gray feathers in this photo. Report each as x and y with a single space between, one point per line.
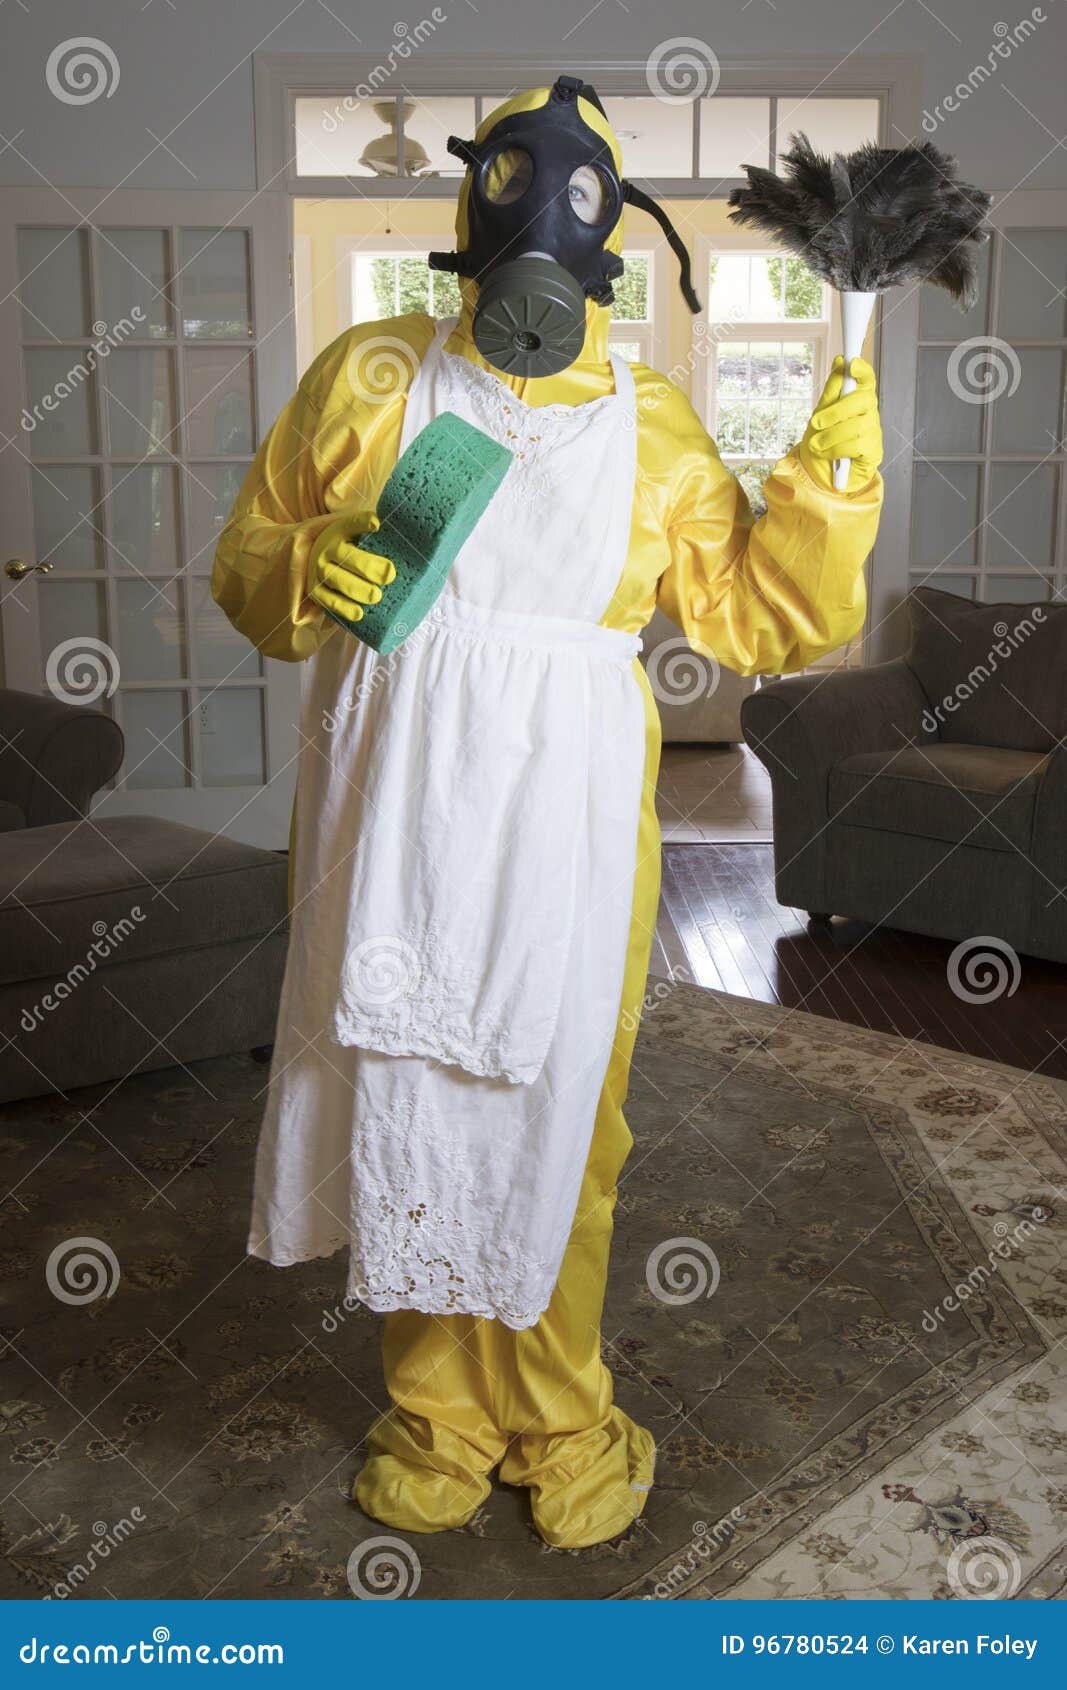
867 220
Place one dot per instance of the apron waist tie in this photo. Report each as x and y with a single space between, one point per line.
525 630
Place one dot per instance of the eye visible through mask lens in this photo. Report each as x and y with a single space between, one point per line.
588 194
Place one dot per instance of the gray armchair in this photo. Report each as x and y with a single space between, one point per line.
53 758
126 942
929 793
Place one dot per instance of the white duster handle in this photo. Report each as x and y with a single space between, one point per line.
856 312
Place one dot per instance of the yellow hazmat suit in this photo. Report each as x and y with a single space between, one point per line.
767 596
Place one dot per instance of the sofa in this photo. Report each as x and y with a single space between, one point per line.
929 793
127 943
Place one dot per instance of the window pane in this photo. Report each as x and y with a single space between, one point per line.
221 652
961 585
631 292
427 125
1033 303
1017 589
333 135
628 349
1021 523
943 421
144 519
210 493
71 611
445 298
831 125
60 403
216 295
67 517
388 286
231 737
752 476
656 138
54 283
733 132
940 319
140 403
151 631
157 739
1030 419
764 394
218 387
766 287
945 514
135 276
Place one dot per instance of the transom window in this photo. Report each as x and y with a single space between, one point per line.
706 138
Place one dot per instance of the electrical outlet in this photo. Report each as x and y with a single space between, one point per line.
207 716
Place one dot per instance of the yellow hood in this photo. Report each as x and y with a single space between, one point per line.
594 351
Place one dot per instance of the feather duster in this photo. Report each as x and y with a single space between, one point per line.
867 221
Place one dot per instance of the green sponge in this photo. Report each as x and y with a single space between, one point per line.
428 507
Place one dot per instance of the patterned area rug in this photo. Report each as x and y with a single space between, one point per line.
838 1299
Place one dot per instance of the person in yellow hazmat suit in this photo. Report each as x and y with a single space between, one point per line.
463 1135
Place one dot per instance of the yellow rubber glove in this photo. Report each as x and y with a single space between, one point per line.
844 428
341 576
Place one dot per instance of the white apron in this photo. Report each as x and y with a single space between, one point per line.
466 832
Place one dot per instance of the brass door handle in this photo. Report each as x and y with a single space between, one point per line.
15 569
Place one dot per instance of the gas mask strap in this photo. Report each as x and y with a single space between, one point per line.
644 202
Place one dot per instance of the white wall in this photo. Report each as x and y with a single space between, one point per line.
185 70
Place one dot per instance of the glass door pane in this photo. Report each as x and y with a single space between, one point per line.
138 456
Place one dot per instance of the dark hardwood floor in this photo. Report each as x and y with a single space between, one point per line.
721 926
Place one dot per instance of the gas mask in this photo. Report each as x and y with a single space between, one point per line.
544 196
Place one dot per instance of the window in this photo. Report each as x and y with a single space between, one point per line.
769 322
388 284
632 329
699 136
986 516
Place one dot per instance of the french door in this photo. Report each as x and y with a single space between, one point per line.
147 342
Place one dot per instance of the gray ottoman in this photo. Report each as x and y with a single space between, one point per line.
132 944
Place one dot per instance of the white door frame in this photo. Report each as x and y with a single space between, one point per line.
257 813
